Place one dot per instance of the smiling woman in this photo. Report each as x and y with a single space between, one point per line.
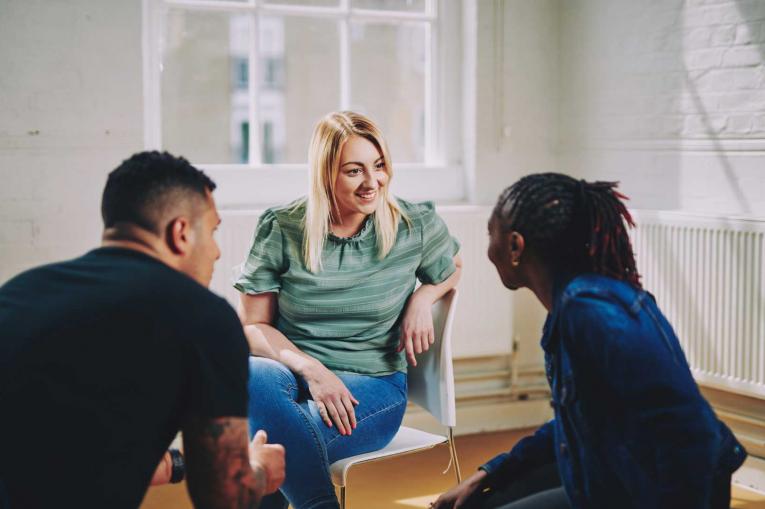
329 307
350 171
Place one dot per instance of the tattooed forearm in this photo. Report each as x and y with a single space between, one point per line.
218 465
260 482
217 428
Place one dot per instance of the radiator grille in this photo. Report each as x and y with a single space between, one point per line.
708 278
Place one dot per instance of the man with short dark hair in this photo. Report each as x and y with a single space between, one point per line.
105 357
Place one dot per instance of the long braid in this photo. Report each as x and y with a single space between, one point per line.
577 225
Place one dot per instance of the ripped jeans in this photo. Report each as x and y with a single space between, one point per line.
280 404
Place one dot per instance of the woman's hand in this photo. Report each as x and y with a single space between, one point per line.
460 494
332 397
416 327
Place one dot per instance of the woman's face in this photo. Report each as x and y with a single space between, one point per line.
361 179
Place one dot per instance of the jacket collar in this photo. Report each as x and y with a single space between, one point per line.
560 282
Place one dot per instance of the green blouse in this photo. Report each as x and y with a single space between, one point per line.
347 315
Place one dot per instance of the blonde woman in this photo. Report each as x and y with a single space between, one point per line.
330 308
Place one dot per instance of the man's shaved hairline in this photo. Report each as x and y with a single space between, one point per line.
172 203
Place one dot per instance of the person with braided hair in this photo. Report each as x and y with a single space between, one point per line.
630 428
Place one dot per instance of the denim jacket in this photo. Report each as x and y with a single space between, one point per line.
630 423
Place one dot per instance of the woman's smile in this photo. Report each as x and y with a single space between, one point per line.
368 195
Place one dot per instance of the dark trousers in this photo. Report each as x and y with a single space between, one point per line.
541 489
555 498
721 492
538 489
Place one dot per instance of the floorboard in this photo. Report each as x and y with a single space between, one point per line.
413 481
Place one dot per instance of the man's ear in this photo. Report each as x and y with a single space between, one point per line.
178 235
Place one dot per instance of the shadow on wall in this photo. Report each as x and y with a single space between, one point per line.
719 151
752 11
724 52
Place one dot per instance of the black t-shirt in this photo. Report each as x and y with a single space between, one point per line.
102 360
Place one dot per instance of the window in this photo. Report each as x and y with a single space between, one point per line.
236 86
241 70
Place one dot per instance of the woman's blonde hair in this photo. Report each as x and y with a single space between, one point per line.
329 136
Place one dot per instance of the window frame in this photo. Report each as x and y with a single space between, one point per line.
442 177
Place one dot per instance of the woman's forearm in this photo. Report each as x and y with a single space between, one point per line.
258 312
267 341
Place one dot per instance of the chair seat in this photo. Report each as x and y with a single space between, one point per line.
406 440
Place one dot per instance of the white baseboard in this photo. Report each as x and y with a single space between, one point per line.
485 416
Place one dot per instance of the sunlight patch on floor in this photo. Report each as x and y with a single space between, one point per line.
744 498
423 501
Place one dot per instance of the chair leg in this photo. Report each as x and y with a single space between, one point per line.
453 452
342 497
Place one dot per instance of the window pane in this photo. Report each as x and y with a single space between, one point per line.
390 5
204 86
388 83
299 73
312 3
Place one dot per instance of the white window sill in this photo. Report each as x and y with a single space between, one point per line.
257 187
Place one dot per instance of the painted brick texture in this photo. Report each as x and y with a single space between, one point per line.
664 69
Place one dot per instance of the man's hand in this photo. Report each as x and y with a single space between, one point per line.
220 469
164 471
460 494
267 461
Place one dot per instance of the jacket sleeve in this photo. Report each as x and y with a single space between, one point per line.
531 452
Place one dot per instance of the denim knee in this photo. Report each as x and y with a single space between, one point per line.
272 389
268 375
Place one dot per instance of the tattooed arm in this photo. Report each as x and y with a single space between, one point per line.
222 472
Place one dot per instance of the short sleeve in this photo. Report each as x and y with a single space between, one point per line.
261 271
438 247
219 364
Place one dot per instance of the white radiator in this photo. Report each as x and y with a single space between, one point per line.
708 276
483 324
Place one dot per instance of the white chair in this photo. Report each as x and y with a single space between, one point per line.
431 385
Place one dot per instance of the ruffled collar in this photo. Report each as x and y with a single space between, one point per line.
358 236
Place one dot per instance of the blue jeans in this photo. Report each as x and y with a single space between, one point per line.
280 404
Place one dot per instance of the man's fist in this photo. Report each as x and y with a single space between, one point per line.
267 461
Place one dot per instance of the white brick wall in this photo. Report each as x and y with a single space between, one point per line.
572 73
70 110
667 83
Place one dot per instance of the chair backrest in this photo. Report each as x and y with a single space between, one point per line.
431 382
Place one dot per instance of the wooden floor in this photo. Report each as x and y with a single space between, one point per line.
415 480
